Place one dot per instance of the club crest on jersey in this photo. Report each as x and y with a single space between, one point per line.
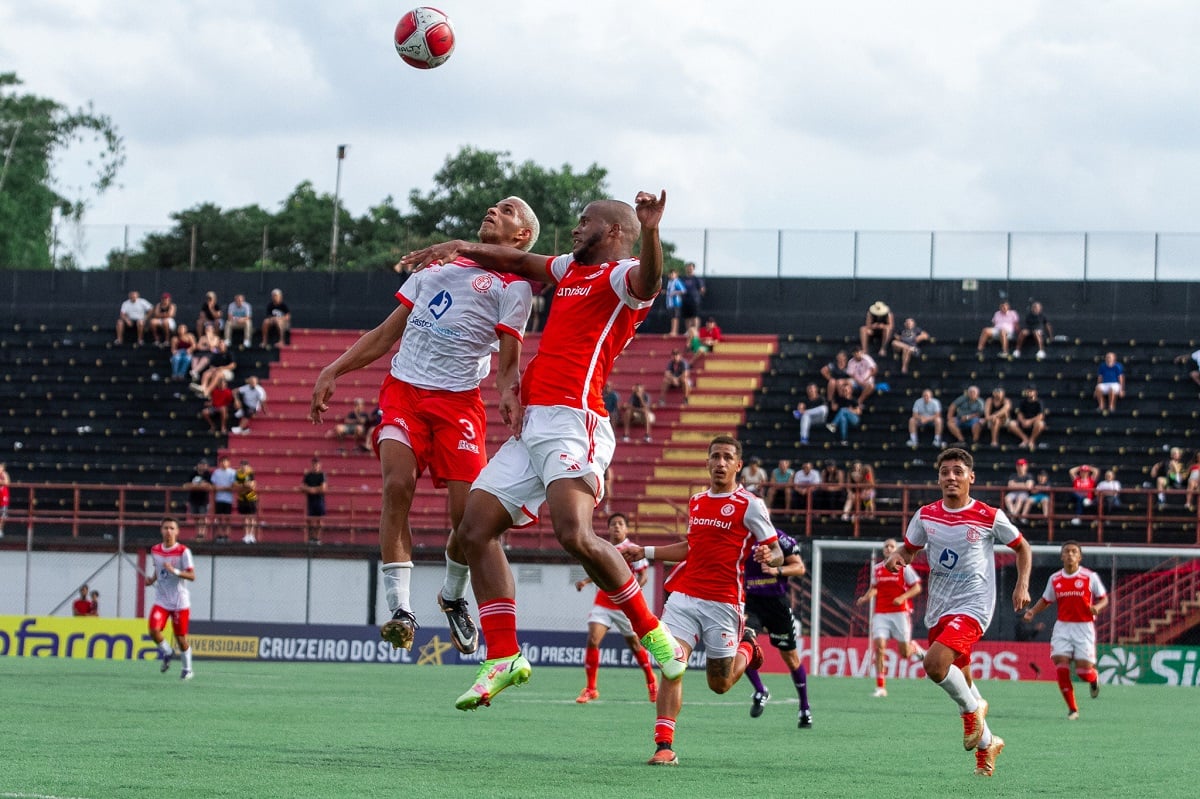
440 304
727 509
482 283
948 559
1079 583
974 535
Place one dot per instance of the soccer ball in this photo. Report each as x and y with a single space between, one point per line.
424 38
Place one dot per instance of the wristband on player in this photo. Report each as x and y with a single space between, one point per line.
648 553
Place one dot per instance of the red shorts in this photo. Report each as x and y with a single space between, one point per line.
179 619
958 632
445 429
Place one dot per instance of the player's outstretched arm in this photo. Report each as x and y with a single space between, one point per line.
1041 605
508 383
646 279
370 347
501 258
1024 567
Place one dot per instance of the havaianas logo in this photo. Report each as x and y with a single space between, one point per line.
1119 666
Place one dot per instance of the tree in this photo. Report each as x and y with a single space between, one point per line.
33 131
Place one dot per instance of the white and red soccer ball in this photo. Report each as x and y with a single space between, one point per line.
424 38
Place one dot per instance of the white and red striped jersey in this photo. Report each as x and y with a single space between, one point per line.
960 549
722 529
637 567
171 592
457 312
888 585
1074 593
592 320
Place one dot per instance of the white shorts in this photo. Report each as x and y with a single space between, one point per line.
1074 639
556 443
1110 388
892 625
717 624
612 619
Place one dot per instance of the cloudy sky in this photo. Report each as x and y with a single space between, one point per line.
1020 115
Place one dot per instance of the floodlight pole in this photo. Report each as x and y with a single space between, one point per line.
12 143
337 190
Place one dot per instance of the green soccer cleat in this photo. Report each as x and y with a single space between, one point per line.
493 677
666 650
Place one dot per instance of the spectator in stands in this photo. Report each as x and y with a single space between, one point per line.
879 324
1110 383
814 409
239 316
223 479
860 492
539 304
355 425
219 407
220 367
1036 327
84 605
313 486
207 342
133 315
710 334
1108 491
1191 365
1193 484
199 496
1030 421
832 488
847 413
1002 328
781 485
162 321
246 487
612 405
674 291
693 297
835 375
1083 489
908 341
1042 497
754 477
694 344
277 317
181 353
861 368
926 415
677 375
804 481
95 598
5 497
1170 474
966 412
210 313
250 399
638 411
1020 484
997 412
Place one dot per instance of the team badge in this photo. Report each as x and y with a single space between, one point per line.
727 509
482 283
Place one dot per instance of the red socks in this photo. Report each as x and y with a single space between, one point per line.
498 623
664 730
591 666
632 602
1068 690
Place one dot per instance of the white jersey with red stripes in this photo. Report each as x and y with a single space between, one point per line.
1074 593
457 313
593 318
960 549
889 585
171 592
722 529
637 567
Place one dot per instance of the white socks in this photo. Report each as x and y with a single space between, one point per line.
187 659
396 578
956 686
457 577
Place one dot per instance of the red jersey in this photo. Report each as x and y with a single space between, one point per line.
722 529
1085 484
637 567
889 585
1075 593
593 318
221 397
82 607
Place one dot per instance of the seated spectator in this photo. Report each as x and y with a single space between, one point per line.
835 375
250 399
673 290
879 324
1030 421
861 368
997 412
1042 497
84 605
1036 327
133 315
181 353
612 405
754 477
356 425
220 367
676 376
1169 474
926 415
908 341
278 318
831 491
847 413
966 412
210 313
162 321
1108 491
710 334
781 485
1003 328
813 409
804 481
1193 482
695 345
207 342
860 492
1191 365
239 316
1020 484
220 404
638 411
1083 489
1110 383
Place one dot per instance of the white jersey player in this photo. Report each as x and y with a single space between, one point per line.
173 569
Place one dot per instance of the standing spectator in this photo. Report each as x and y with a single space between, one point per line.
239 315
612 405
847 413
1003 328
173 565
804 481
210 313
960 534
966 412
754 477
891 617
277 317
997 411
1169 474
926 415
84 606
1030 421
908 341
162 321
251 399
675 291
1042 498
781 484
1191 365
133 315
637 411
1020 483
710 334
832 490
1193 485
860 492
217 411
5 498
1081 597
693 297
247 501
95 598
1108 491
539 304
1036 327
676 375
836 375
200 490
313 486
1083 488
1110 383
813 409
861 368
223 479
880 323
181 353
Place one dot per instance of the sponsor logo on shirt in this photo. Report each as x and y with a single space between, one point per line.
573 291
948 559
440 304
721 524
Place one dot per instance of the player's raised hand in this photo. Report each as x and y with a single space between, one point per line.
894 563
650 208
442 253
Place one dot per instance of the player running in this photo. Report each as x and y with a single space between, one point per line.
173 566
1081 597
450 320
893 593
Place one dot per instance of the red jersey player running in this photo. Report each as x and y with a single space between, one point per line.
564 443
960 533
450 320
892 613
707 590
1081 597
173 566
